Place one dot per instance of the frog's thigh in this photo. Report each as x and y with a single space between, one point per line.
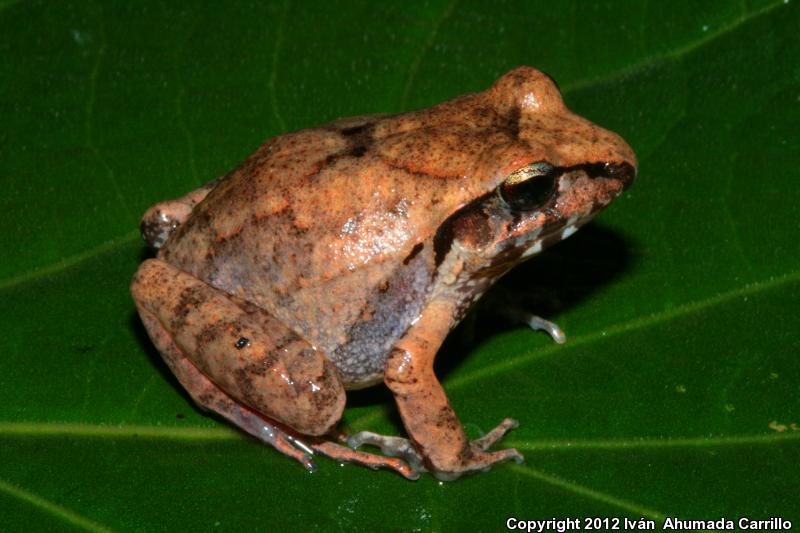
248 354
209 396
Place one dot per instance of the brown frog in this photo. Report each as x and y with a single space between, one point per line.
341 256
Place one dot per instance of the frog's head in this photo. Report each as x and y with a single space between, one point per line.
556 171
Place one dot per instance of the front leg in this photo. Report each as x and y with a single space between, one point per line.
162 219
430 422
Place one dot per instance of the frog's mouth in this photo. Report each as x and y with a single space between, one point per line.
534 246
583 191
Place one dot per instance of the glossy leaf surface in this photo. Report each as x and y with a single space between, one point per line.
677 393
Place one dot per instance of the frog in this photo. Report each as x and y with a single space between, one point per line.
340 257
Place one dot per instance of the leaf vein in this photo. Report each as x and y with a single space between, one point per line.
56 429
671 55
590 493
50 507
413 68
68 262
652 443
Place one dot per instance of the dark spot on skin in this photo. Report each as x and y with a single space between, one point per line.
243 378
472 228
263 365
447 419
414 251
242 342
359 140
512 121
209 334
326 397
623 172
190 299
468 219
358 151
442 241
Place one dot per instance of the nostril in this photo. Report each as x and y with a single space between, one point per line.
623 172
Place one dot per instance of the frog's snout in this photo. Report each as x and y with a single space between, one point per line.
623 172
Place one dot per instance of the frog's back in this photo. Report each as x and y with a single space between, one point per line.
331 229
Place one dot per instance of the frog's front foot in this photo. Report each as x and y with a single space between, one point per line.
509 305
535 322
162 219
476 458
495 435
480 459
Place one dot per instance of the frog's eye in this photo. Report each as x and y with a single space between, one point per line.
529 187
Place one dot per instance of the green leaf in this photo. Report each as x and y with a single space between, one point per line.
676 395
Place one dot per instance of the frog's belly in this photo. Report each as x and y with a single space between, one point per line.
358 328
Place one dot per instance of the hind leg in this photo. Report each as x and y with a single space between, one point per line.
239 361
210 397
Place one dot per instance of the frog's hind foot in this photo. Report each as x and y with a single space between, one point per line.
162 219
337 452
391 446
270 433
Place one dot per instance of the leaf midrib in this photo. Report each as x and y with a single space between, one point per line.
223 433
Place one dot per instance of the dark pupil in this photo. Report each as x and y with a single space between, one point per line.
529 194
